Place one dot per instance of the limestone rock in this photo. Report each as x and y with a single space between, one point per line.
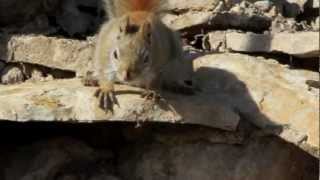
18 11
11 74
48 160
58 53
262 159
292 8
264 5
2 65
187 20
191 5
263 91
77 17
221 20
316 24
215 41
232 86
301 44
315 4
57 101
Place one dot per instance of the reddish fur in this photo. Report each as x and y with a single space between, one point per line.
139 17
143 5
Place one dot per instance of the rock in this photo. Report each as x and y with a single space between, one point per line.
215 41
316 4
74 18
300 44
59 159
18 11
281 24
187 20
58 53
316 24
270 89
49 103
78 17
214 15
190 5
205 20
264 5
232 86
292 8
263 159
36 75
12 74
2 65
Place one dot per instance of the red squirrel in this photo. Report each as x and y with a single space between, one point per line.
135 48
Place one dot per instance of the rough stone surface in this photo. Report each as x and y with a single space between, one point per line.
157 152
59 159
222 20
11 74
259 159
190 5
17 11
232 86
64 54
280 94
316 24
57 101
315 4
215 41
302 44
78 17
264 5
251 117
2 65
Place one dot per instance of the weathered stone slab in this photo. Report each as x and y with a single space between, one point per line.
265 93
232 86
223 20
65 54
69 100
301 44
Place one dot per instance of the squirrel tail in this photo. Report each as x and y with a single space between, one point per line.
117 8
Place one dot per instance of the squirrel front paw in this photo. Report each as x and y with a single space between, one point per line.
107 99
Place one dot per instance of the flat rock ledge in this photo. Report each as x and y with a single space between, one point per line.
69 100
232 87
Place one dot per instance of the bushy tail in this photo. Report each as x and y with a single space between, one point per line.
117 8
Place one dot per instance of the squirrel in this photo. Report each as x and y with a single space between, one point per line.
136 48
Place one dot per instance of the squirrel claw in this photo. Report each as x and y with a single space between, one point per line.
151 95
107 99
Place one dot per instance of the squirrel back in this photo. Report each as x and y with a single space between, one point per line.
117 8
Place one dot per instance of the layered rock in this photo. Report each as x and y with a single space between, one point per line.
58 53
163 158
232 86
47 160
301 44
218 161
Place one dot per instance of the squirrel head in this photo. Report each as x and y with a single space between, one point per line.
131 56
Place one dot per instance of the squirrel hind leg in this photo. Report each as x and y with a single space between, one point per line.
90 80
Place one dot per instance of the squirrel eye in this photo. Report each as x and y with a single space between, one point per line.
146 59
115 54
